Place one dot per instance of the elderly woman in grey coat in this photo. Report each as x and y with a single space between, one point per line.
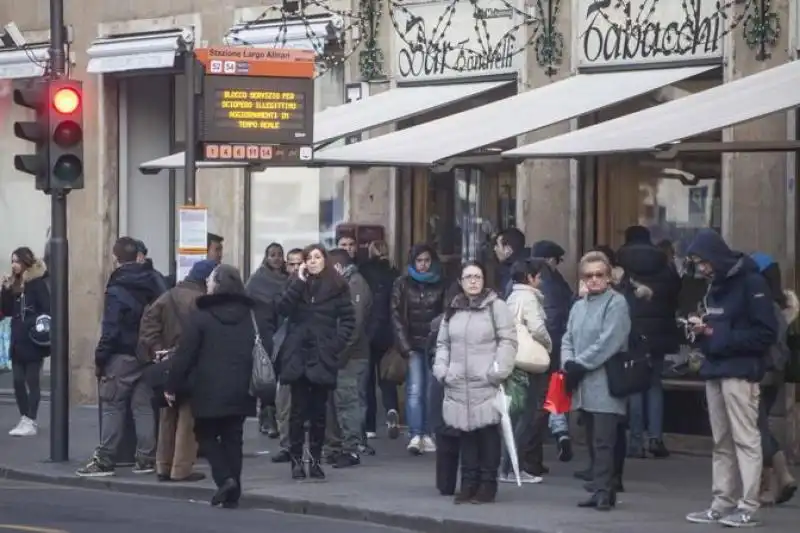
598 328
475 352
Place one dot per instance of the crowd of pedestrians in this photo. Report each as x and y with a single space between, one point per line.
343 325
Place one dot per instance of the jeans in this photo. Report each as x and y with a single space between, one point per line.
222 442
388 390
417 380
559 425
647 409
769 444
26 387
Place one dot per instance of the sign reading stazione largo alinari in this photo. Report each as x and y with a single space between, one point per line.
641 31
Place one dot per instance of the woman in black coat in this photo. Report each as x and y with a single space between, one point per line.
321 322
25 297
213 365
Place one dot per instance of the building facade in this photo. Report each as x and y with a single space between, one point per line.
450 86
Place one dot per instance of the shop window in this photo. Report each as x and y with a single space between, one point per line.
299 206
24 211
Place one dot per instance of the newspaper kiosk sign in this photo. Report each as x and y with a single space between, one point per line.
257 105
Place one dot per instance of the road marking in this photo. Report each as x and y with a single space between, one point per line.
30 529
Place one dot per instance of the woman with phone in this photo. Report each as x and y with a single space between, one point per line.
26 297
321 321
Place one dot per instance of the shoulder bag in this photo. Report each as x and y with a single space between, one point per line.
531 356
393 367
628 372
263 381
156 373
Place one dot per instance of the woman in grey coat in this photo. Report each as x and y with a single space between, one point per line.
475 352
598 328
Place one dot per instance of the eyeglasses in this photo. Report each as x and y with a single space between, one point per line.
472 277
594 275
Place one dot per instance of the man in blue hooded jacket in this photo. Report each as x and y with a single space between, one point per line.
735 335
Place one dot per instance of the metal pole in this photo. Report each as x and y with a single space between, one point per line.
59 296
190 153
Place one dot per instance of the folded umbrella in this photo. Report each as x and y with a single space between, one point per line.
502 404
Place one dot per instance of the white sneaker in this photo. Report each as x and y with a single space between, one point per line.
372 435
29 428
524 477
428 444
15 430
415 445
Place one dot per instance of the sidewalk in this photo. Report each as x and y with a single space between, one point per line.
395 489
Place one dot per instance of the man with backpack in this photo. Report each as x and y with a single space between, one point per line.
735 335
130 289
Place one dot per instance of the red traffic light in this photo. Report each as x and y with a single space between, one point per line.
66 100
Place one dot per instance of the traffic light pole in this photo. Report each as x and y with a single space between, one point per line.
59 296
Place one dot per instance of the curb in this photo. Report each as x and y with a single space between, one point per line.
417 523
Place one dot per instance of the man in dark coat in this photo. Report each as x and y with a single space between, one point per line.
130 289
509 247
649 270
735 334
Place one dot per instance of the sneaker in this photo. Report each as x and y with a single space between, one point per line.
143 467
15 430
740 518
524 477
657 449
347 459
372 435
709 516
564 449
393 423
415 445
366 449
27 428
95 468
428 444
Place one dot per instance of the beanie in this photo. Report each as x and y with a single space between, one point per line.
547 250
201 270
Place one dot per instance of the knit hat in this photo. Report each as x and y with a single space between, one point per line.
637 235
547 250
201 270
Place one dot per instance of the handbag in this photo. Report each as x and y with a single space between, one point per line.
629 372
263 381
393 367
558 399
531 356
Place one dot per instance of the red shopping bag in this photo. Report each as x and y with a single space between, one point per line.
558 399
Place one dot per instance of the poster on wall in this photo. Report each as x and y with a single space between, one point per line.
192 228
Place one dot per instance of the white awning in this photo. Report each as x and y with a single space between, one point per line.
27 63
177 162
390 106
755 96
137 51
482 126
312 33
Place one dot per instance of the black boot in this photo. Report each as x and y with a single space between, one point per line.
298 468
224 492
469 487
315 470
486 493
600 501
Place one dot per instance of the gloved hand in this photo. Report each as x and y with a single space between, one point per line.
573 374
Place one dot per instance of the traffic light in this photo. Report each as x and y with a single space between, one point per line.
65 127
33 96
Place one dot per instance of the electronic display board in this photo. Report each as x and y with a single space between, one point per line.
257 106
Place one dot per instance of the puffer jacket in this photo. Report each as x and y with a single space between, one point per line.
380 276
414 306
475 352
654 315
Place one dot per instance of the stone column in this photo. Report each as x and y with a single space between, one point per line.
543 185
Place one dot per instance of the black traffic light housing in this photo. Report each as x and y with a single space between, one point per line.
65 134
33 95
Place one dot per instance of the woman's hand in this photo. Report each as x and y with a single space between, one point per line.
302 272
7 279
170 397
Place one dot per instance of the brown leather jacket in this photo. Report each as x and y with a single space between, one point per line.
163 320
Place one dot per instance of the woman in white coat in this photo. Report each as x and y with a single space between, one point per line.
530 426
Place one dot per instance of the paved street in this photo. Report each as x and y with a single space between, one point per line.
396 489
37 508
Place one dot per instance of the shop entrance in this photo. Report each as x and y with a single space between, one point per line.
457 212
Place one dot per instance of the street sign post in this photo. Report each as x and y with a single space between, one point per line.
257 106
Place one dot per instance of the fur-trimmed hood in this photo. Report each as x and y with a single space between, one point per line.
36 271
792 310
